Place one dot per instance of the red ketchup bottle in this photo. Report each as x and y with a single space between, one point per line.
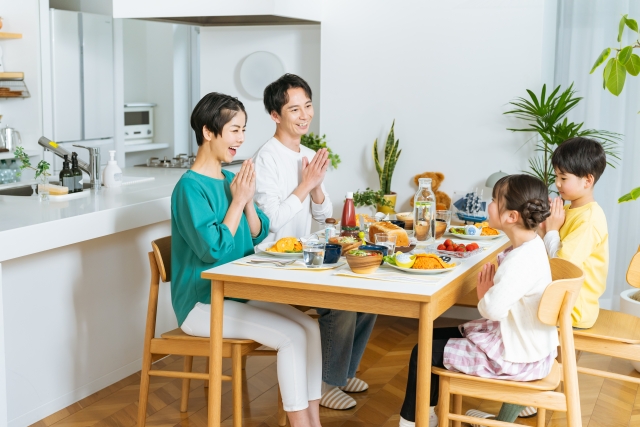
348 216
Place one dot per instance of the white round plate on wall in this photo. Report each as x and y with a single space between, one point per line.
258 70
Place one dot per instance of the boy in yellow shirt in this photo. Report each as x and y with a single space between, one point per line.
578 232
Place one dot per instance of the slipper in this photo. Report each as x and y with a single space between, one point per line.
528 412
355 385
479 414
337 399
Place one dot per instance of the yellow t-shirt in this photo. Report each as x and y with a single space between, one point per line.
585 242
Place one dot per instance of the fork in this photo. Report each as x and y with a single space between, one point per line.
277 263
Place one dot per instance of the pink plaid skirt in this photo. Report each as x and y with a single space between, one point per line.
481 350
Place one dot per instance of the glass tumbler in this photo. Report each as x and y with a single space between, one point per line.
313 253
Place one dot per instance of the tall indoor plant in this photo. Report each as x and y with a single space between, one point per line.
385 170
615 73
547 117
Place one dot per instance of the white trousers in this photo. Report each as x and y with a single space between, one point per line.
292 333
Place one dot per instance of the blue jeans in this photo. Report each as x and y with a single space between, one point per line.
344 336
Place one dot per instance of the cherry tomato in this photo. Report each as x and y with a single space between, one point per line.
448 242
442 247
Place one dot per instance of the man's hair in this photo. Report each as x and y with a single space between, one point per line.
580 157
275 95
214 111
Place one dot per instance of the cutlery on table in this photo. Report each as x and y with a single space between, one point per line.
267 261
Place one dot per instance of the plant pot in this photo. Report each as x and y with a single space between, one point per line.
630 306
389 209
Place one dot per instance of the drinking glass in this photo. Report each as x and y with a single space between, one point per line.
313 253
442 217
387 240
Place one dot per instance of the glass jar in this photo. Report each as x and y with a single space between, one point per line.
329 229
424 212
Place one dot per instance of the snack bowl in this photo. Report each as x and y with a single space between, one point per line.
398 222
379 248
345 246
364 264
332 253
407 217
434 250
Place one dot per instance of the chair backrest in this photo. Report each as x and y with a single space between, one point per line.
162 252
633 273
563 291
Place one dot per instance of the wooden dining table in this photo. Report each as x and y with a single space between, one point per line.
424 301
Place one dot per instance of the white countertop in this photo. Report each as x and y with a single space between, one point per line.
327 277
28 226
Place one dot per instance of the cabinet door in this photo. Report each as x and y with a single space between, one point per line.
97 66
66 77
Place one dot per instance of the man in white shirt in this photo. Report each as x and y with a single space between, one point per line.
290 191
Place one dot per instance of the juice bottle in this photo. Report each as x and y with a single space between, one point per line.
348 215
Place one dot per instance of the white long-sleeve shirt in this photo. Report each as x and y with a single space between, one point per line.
278 173
519 283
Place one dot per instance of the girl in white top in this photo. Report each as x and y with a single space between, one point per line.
509 342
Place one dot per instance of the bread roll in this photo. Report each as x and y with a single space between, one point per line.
402 238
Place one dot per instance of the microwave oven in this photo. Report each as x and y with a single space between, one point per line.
138 123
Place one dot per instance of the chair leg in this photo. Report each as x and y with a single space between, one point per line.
443 402
236 381
457 408
244 363
542 417
186 383
144 390
282 415
206 371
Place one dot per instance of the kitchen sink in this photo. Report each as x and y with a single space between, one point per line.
27 190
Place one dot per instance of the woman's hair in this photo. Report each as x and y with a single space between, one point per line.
214 111
526 194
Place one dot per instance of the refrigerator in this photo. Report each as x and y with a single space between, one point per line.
82 82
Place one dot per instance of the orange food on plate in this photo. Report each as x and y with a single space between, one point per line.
286 244
488 231
430 262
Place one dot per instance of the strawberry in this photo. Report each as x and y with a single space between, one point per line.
448 242
461 249
442 247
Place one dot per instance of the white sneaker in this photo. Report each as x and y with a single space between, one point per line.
433 420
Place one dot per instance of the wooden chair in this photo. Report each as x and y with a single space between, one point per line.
614 334
177 342
556 306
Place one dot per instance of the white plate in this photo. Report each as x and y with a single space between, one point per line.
420 271
262 248
466 237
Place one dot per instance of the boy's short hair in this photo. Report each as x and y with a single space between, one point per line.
275 95
580 157
214 111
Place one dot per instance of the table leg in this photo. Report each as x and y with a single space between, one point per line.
215 358
425 338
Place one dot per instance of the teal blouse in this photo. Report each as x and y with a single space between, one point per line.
199 239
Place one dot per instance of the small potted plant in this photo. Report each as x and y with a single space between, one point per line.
42 172
371 199
385 170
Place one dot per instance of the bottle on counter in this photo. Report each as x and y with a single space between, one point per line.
112 173
424 212
348 223
77 173
329 229
66 176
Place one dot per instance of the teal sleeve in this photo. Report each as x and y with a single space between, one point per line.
264 226
196 221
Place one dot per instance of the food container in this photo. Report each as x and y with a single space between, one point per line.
434 250
332 253
407 217
441 227
379 248
364 264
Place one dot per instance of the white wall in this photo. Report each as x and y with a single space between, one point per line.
444 70
23 114
222 51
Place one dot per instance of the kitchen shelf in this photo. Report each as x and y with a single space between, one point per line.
10 35
13 88
9 154
145 147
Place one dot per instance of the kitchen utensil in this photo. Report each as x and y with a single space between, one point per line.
277 263
9 138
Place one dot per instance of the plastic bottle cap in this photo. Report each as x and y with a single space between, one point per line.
350 195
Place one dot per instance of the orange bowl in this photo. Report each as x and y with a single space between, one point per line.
364 264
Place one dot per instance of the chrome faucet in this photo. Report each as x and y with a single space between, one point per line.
92 168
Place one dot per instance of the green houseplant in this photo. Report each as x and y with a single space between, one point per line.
546 115
42 170
615 72
385 170
316 142
370 198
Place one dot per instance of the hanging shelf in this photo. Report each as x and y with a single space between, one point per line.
12 86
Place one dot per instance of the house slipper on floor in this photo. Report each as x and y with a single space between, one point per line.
479 414
528 412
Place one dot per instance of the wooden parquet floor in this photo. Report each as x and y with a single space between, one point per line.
605 403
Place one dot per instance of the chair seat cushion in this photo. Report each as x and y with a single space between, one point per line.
614 326
550 382
178 334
